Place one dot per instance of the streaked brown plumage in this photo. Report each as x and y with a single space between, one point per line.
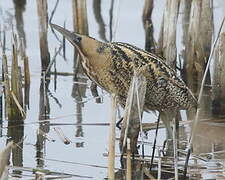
111 66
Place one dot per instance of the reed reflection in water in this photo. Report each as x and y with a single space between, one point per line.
98 18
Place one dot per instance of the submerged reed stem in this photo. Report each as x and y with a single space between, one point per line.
196 120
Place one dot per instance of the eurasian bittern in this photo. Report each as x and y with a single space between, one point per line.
111 66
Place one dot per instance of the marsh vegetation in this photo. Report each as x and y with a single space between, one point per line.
58 124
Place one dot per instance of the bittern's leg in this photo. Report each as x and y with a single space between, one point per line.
167 118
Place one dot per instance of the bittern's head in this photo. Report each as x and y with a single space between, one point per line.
83 44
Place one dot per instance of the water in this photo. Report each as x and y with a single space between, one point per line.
89 143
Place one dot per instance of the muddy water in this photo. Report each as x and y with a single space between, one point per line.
66 108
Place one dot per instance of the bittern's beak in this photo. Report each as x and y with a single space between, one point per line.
70 36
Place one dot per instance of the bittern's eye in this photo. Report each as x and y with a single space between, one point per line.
77 39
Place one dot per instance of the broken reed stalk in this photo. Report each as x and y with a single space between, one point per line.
64 42
195 123
94 93
185 21
167 37
6 83
175 153
154 144
116 20
99 19
50 20
16 87
80 25
111 21
62 136
134 107
53 11
159 49
52 61
55 75
170 18
4 157
20 78
126 118
39 175
15 72
148 26
159 165
26 81
2 40
140 111
218 92
42 10
112 138
206 26
129 168
198 42
26 71
45 135
45 97
80 20
20 108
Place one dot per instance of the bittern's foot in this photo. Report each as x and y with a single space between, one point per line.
118 124
167 147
